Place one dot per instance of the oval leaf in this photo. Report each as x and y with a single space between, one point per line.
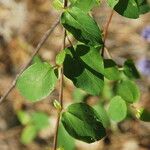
57 4
37 81
23 117
40 120
28 134
86 5
130 70
65 141
82 122
130 8
111 71
144 6
144 115
78 95
103 115
129 91
117 109
36 59
82 70
72 2
82 26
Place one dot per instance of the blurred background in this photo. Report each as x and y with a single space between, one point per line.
22 24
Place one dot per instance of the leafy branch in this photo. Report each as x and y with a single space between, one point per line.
60 90
82 63
40 44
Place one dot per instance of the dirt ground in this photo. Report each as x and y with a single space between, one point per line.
22 24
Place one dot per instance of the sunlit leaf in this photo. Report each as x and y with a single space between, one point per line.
57 4
117 109
36 59
78 95
23 117
28 134
86 5
37 81
40 120
129 91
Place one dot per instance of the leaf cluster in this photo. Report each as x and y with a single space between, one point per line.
88 70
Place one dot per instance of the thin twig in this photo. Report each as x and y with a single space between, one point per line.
60 98
56 131
60 90
61 73
106 31
70 42
42 41
107 53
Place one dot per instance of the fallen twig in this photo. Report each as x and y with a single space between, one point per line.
42 41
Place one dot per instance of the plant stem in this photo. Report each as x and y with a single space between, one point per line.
107 53
106 31
70 42
62 74
60 99
60 89
40 44
56 132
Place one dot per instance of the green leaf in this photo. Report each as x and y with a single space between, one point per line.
37 81
60 148
82 26
82 70
28 134
130 8
78 95
86 5
57 4
36 59
60 57
130 69
65 141
144 115
117 109
144 6
102 114
23 117
40 120
111 71
83 123
129 91
108 91
72 1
